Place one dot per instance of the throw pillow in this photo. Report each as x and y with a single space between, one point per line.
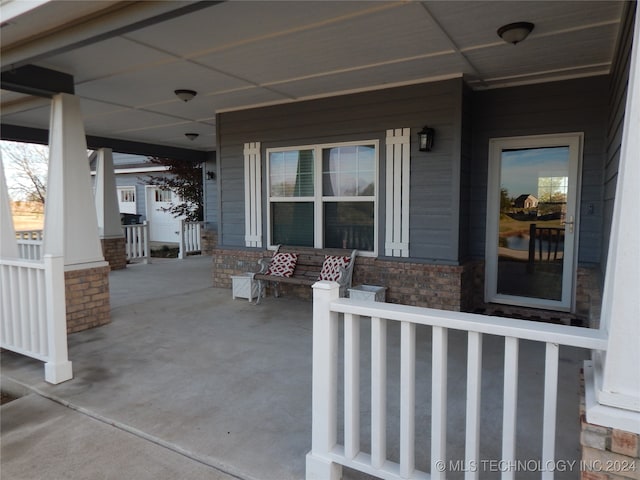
283 264
331 267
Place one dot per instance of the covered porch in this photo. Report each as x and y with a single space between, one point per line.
220 388
236 389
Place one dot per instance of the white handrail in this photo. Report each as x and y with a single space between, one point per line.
470 322
327 457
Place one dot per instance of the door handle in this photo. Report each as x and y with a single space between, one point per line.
570 223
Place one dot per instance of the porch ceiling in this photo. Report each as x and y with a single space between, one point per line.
127 58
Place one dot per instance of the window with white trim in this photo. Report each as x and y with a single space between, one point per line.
127 199
163 195
127 194
324 196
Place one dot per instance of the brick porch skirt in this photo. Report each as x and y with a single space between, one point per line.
408 283
445 287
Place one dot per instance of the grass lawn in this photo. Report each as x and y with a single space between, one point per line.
510 226
27 215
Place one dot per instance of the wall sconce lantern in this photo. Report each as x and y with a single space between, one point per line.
211 175
425 139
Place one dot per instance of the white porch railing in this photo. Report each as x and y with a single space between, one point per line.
33 313
327 456
29 244
189 238
136 238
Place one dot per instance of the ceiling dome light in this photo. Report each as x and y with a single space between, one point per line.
185 95
515 32
192 136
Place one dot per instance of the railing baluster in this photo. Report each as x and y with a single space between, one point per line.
407 398
351 385
23 319
145 235
439 402
32 316
510 405
7 330
378 391
41 300
549 412
182 239
474 384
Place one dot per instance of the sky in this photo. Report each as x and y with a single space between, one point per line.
521 168
11 149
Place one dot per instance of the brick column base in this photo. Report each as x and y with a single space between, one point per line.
114 252
607 453
208 241
87 293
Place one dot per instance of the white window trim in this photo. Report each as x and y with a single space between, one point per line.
318 199
129 189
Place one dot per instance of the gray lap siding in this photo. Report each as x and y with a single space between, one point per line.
434 180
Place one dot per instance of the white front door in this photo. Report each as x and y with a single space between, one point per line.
532 220
163 226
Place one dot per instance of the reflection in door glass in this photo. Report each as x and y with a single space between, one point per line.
533 207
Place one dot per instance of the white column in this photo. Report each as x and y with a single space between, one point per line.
106 196
70 223
617 381
8 243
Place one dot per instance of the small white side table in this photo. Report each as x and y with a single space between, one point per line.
243 286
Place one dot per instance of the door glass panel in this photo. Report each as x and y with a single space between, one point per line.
534 186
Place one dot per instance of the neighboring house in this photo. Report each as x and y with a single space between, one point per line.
136 197
525 201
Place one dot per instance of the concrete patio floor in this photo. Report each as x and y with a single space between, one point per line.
188 383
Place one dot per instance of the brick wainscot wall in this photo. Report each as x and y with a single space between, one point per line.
409 283
445 287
